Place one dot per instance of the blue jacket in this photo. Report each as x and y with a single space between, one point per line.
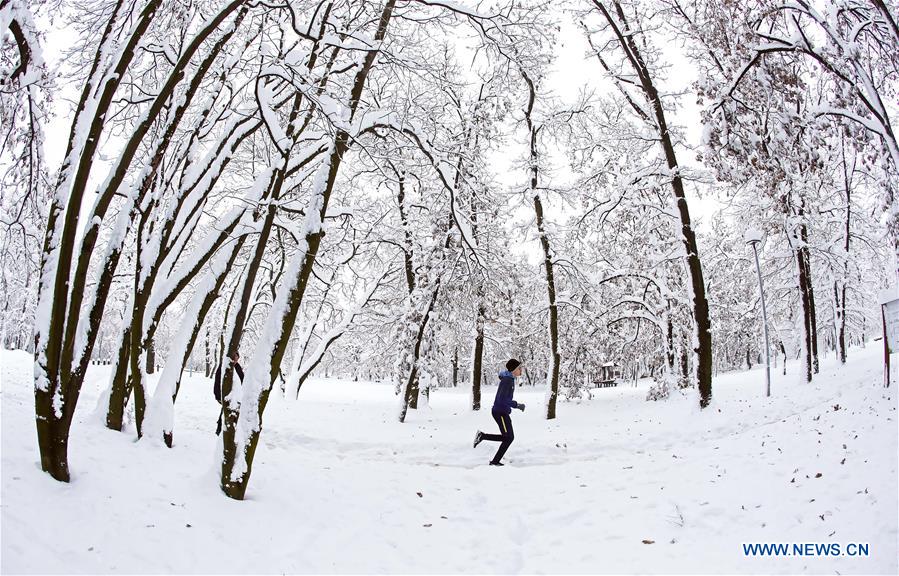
503 403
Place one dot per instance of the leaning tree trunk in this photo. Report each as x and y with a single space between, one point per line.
57 379
410 387
238 453
657 121
67 333
417 324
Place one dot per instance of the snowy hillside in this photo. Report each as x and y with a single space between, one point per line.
616 484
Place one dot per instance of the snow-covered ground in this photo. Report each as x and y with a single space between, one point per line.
616 484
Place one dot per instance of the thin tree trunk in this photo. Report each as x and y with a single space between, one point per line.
555 356
841 309
408 262
206 366
477 359
784 352
801 255
813 315
151 356
669 341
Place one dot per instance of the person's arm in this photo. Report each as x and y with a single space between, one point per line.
513 403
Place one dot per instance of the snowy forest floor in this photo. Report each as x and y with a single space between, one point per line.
339 486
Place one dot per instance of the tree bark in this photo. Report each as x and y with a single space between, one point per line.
52 438
409 268
804 292
151 356
119 388
477 359
555 356
411 386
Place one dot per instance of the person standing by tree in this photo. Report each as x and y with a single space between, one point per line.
502 408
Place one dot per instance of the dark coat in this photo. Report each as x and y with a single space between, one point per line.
503 403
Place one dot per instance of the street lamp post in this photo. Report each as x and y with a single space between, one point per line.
754 238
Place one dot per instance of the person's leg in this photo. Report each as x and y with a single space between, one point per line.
507 436
491 437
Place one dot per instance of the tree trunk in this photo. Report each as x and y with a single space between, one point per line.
151 356
784 351
669 341
801 255
119 388
455 367
808 299
813 316
207 369
409 267
702 323
414 391
477 359
410 392
841 301
136 353
233 481
52 437
555 356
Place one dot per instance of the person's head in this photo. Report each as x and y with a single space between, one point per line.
235 357
514 366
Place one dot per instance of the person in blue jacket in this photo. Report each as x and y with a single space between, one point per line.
502 408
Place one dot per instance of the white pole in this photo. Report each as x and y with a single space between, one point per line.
758 269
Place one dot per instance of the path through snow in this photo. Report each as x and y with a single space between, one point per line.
339 486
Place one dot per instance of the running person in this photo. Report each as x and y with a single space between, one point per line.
502 408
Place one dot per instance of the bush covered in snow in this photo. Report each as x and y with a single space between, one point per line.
661 387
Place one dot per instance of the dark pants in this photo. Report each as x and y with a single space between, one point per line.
505 436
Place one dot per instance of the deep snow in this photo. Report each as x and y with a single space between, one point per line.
339 486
